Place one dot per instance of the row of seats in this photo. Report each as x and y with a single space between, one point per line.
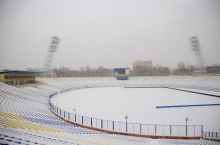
186 142
202 83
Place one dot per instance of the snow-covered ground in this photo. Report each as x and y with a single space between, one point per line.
139 104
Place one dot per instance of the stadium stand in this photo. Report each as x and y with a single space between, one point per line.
186 142
25 116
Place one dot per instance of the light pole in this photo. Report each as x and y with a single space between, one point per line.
74 110
57 107
186 119
126 121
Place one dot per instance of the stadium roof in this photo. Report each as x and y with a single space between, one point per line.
19 72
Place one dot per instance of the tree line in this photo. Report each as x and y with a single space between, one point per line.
84 72
158 70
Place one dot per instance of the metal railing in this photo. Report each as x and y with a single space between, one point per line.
127 127
211 135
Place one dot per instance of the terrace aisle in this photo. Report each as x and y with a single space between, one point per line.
154 142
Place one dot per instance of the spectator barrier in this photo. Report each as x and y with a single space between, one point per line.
127 128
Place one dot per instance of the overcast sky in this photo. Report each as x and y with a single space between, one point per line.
111 33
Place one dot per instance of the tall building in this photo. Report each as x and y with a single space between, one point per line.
142 64
141 68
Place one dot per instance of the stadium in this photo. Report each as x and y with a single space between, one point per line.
28 115
115 72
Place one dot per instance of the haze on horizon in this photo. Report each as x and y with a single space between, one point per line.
107 33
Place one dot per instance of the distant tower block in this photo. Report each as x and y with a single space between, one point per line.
200 66
47 70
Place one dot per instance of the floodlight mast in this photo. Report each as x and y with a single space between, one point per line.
47 70
195 46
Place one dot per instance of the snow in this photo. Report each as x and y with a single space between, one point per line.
139 104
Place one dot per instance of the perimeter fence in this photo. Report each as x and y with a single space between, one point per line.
127 127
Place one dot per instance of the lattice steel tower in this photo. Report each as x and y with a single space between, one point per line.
47 70
200 66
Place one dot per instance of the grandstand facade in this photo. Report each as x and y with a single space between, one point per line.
17 77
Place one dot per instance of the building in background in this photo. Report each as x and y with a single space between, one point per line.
140 67
121 73
142 64
17 77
